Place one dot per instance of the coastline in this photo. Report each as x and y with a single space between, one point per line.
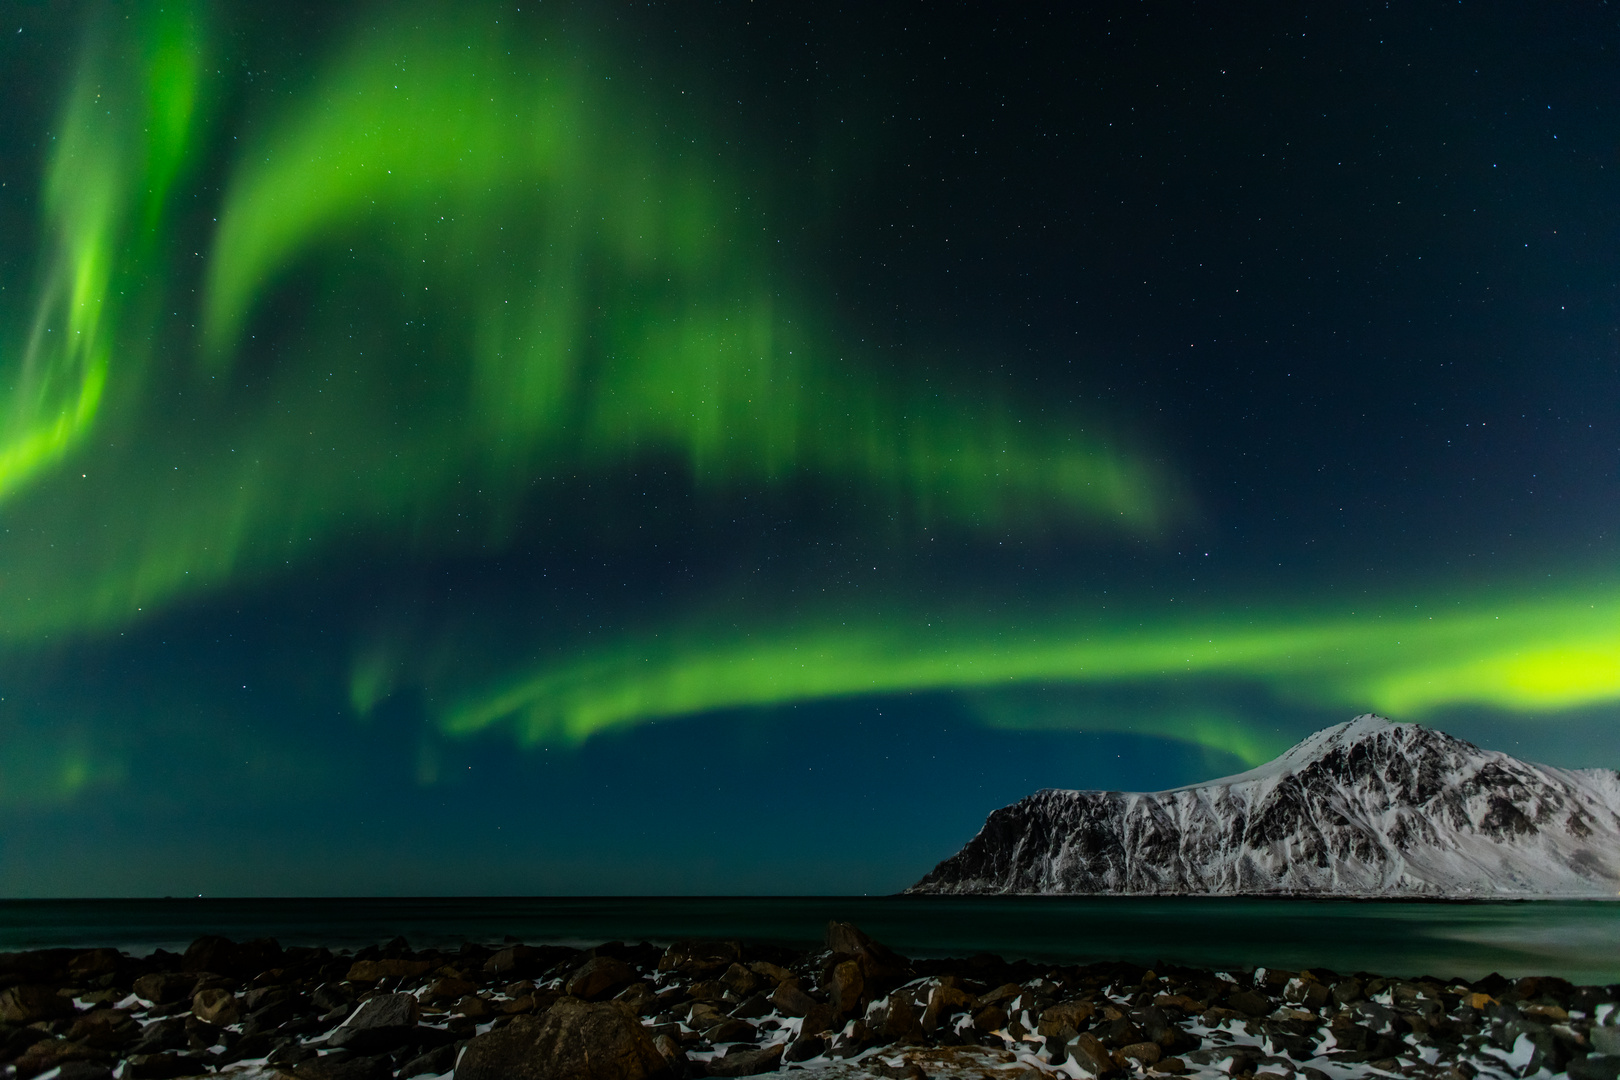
850 1007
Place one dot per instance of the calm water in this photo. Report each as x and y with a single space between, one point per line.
1579 940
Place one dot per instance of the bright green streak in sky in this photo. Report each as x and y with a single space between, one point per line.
1544 654
685 340
124 135
455 263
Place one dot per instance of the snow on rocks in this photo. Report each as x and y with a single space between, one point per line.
851 1009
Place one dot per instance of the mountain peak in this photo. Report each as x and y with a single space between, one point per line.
1369 807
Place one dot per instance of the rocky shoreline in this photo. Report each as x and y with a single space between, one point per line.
726 1008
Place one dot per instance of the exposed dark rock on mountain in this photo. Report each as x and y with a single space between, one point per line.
1365 808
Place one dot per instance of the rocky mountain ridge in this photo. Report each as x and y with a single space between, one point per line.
1367 808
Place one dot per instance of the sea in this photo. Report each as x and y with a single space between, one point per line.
1578 940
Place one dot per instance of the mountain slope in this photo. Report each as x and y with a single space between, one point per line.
1364 808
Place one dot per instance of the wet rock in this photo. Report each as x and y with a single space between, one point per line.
574 1040
28 1004
216 1007
600 977
381 1023
746 1062
1605 1040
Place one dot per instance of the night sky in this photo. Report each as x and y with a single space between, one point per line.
557 448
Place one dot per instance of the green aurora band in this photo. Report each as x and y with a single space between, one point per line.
1520 654
458 262
474 278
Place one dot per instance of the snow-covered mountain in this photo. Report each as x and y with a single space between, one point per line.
1364 808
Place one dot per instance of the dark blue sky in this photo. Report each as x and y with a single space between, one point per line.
692 448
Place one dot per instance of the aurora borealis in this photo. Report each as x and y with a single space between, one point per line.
437 439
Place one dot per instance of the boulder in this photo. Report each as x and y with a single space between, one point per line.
356 1068
821 1017
1249 1002
1090 1054
51 1053
895 1018
700 958
93 964
105 1029
770 972
791 1000
674 1055
1148 1053
747 1062
944 999
844 986
880 965
753 1007
436 1062
452 988
573 1040
600 977
382 1023
161 1067
740 981
222 956
1595 1067
369 971
161 1035
216 1006
29 1004
804 1048
1072 1014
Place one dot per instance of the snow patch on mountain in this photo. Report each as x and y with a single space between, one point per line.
1365 808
